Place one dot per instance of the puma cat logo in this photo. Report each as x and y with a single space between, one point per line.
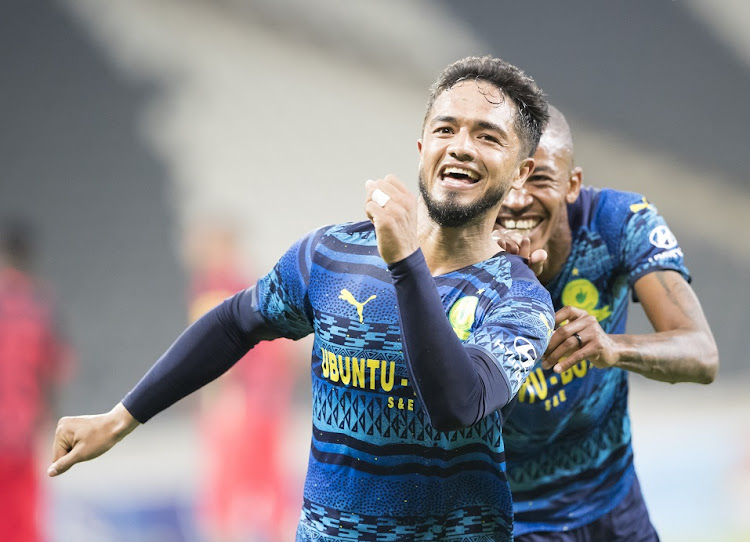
347 296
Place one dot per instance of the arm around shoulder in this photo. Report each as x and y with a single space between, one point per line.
683 348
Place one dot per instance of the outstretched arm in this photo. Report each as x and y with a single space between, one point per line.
682 348
204 351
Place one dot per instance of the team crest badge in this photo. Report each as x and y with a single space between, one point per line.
582 294
461 315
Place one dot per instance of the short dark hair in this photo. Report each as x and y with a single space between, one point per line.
531 106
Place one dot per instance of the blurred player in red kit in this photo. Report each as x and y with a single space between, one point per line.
244 493
34 361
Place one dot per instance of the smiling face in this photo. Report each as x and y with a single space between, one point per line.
539 209
470 153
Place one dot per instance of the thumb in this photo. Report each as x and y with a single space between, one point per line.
64 462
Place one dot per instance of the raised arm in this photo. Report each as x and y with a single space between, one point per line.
458 384
681 349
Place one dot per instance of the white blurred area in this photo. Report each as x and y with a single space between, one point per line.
275 114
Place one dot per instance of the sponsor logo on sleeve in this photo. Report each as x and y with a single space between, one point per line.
526 352
662 237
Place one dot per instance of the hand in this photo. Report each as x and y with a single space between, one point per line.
82 438
513 243
564 350
394 217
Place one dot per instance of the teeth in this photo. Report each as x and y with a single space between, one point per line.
460 171
524 224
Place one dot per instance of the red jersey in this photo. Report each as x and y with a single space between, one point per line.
33 358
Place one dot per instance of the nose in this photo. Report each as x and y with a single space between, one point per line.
518 200
462 147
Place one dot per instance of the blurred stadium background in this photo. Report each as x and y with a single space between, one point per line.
125 121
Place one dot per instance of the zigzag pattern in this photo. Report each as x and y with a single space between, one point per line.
355 412
565 457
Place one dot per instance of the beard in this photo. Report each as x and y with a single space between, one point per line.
452 214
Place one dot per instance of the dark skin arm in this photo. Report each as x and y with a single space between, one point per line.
681 349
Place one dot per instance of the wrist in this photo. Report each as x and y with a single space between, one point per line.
122 422
621 351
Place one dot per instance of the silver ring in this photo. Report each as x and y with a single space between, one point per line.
578 338
380 197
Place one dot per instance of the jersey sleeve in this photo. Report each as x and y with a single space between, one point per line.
282 293
459 384
647 244
517 331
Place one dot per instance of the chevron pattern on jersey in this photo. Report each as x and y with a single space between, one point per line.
336 408
469 524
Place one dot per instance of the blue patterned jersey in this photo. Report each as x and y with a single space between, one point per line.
569 455
377 469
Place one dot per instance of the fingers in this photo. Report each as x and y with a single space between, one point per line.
499 239
538 257
393 211
568 313
62 456
509 242
567 346
63 463
386 192
537 260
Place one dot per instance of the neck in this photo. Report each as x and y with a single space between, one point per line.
558 250
449 249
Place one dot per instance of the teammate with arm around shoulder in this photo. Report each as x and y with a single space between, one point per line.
568 444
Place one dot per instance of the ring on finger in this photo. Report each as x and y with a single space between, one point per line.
578 338
380 197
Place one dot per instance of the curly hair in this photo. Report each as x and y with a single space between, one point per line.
531 106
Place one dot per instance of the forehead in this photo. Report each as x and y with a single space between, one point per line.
478 101
553 152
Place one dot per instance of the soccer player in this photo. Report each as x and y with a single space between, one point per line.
568 446
35 360
243 491
423 332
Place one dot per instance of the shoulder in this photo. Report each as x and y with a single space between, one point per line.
519 268
346 231
602 207
610 213
523 281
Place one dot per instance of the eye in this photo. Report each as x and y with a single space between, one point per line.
443 130
540 180
490 138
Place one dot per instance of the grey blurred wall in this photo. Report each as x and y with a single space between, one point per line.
113 119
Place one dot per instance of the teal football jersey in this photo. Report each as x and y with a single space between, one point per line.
568 439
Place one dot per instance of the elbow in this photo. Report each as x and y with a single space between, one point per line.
452 415
448 422
709 360
710 366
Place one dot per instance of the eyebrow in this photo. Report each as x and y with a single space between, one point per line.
482 124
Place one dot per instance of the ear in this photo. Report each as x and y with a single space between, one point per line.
525 167
574 184
419 146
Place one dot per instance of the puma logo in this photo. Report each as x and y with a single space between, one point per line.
641 206
347 296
